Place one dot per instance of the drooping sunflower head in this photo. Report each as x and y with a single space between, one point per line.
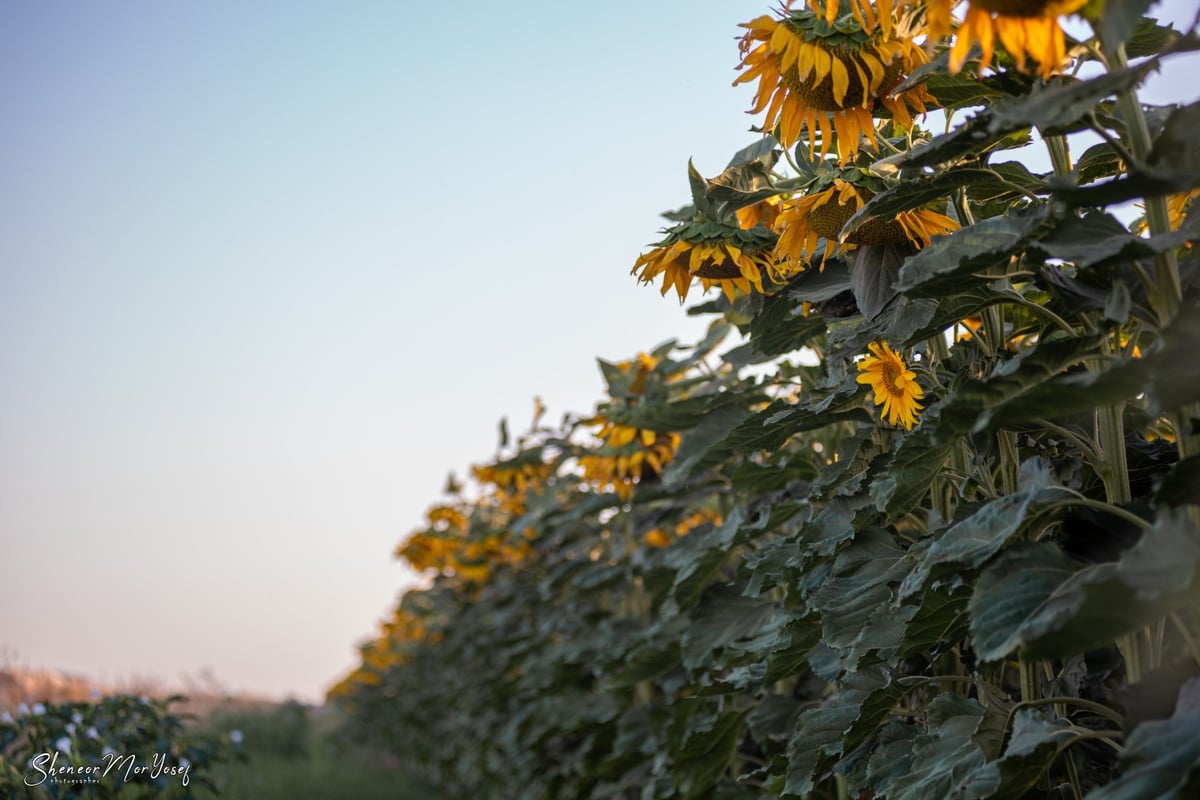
663 535
527 470
1178 206
820 215
626 455
829 77
638 370
447 518
763 213
1028 29
732 258
893 383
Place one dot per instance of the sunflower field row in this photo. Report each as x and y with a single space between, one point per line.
918 517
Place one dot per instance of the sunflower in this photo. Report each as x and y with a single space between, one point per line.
829 77
764 213
808 219
626 456
447 518
894 384
661 537
1026 28
1178 206
716 254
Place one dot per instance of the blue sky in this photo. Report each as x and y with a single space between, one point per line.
269 271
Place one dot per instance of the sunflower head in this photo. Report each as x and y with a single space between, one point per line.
516 475
732 258
894 384
763 213
1178 206
626 455
820 215
1028 29
829 76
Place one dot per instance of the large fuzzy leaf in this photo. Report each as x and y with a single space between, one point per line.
972 541
1033 599
1161 759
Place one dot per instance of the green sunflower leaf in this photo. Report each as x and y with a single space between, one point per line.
940 268
1055 107
722 616
823 734
942 759
1032 599
972 541
1161 759
984 184
705 752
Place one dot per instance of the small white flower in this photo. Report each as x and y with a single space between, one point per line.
6 718
39 709
92 733
145 700
108 751
77 718
22 710
63 744
184 764
70 726
235 737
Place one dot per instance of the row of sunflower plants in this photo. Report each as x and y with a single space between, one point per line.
918 518
114 747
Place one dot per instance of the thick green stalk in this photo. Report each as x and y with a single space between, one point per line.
1110 432
1110 423
1157 219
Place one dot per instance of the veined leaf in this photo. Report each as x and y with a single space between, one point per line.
713 428
823 734
706 751
1033 599
968 408
856 600
1056 107
723 615
982 182
972 541
986 244
943 758
940 621
1161 759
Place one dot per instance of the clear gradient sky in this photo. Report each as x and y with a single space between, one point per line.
269 271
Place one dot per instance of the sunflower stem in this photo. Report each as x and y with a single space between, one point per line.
1110 439
1110 425
1060 154
1132 654
1029 679
1170 292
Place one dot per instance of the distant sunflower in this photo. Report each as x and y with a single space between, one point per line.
626 456
829 77
821 214
764 213
661 537
714 254
1026 29
1178 206
894 384
519 474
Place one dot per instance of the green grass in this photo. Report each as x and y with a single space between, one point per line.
318 776
290 754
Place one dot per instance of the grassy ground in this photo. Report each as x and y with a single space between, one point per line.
290 753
